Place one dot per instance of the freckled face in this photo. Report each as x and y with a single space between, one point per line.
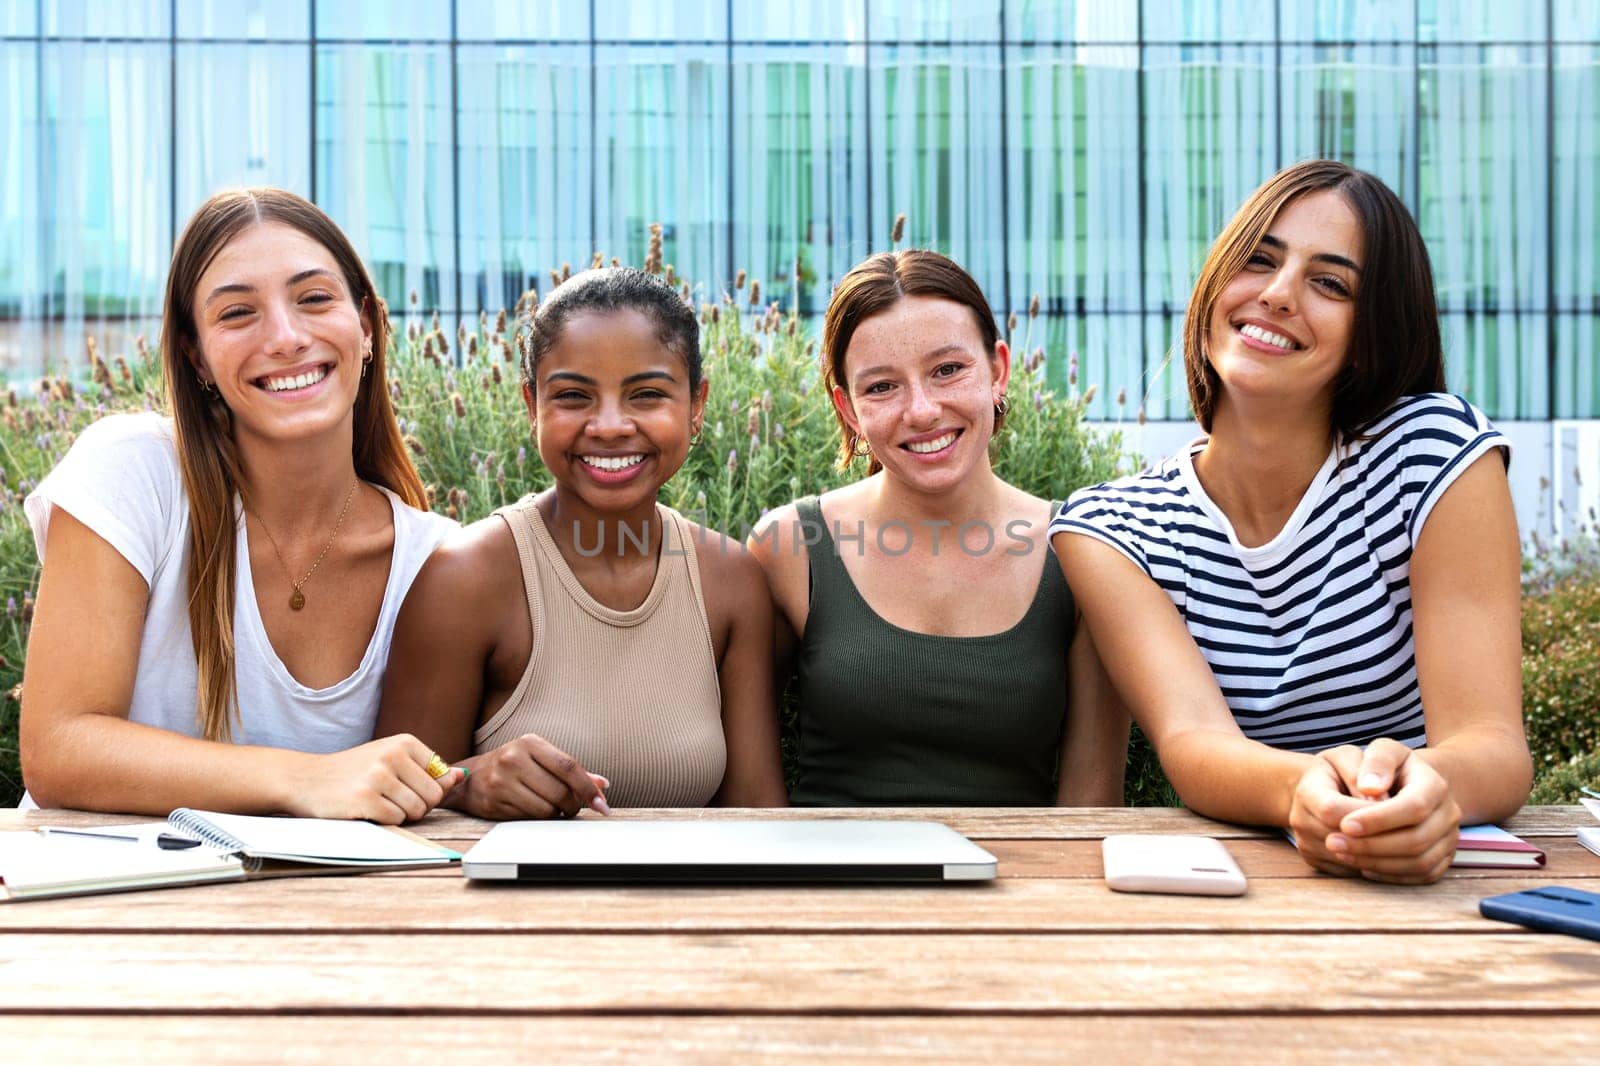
279 334
612 410
921 388
1281 328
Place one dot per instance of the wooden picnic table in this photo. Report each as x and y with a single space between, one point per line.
1044 964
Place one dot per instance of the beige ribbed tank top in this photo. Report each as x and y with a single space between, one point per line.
633 695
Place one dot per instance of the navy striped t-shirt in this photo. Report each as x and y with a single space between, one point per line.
1309 635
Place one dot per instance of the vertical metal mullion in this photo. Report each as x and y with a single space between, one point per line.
1005 177
594 131
729 149
1143 225
1277 85
172 123
40 163
455 160
866 104
1550 209
311 45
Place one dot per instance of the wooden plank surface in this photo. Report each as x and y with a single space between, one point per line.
845 973
435 904
994 823
121 1040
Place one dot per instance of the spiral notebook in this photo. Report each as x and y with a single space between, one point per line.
314 841
82 860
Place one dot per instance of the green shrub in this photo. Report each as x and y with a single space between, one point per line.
1561 668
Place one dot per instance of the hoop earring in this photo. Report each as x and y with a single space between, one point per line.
1002 405
694 438
206 387
859 448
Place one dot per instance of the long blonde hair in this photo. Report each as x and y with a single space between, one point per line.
203 425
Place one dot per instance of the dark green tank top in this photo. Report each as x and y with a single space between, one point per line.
888 717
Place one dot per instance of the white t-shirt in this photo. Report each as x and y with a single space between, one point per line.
121 479
1309 635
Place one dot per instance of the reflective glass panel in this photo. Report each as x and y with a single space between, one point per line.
661 116
254 20
935 132
1484 162
108 18
799 169
384 166
527 176
241 119
651 20
1079 21
384 20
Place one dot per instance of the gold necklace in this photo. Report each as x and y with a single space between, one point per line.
297 599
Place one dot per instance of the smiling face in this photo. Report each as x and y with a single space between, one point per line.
612 410
1281 328
279 334
920 387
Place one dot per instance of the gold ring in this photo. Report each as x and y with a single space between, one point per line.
437 767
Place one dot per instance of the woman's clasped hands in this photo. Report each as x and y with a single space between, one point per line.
1382 813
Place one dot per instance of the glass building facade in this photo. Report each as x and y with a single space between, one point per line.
1082 150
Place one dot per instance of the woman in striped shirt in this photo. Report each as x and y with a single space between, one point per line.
1313 610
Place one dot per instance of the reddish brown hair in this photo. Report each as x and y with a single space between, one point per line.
876 284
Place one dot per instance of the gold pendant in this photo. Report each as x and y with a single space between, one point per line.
297 601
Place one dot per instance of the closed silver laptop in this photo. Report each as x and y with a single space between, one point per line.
640 850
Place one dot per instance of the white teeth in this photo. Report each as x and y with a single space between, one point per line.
612 462
933 445
299 381
1277 340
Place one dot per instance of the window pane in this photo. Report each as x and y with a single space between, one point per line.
1072 194
1211 123
518 20
254 20
383 165
242 112
799 169
1080 21
17 18
384 20
1484 159
833 22
1577 365
1354 103
526 169
104 186
1448 21
1389 21
22 278
108 18
935 135
966 21
1576 207
661 115
1577 21
651 20
1219 21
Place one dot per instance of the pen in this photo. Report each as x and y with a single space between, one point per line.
165 841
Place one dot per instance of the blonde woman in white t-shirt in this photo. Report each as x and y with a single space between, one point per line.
218 590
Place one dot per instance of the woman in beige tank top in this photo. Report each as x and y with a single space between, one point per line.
590 647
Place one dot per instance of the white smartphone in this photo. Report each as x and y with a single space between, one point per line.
1186 865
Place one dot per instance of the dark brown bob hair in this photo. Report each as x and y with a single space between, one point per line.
1394 342
876 284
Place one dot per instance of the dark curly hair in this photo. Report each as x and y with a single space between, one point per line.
613 289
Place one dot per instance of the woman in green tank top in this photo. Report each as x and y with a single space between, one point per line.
934 643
